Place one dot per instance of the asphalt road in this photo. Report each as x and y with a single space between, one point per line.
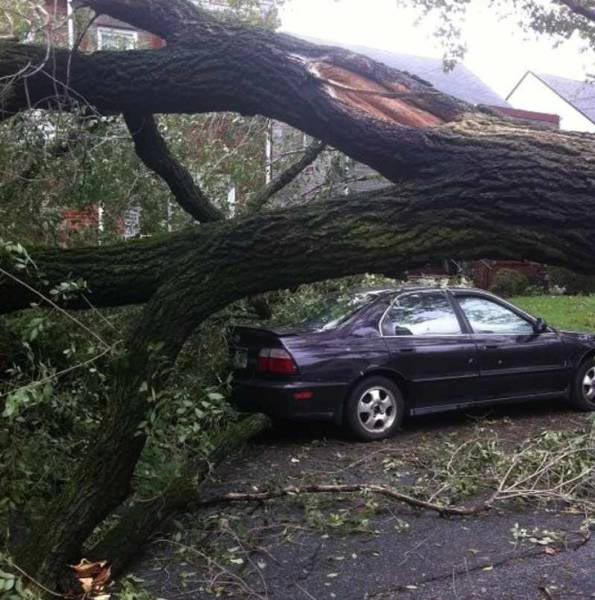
354 547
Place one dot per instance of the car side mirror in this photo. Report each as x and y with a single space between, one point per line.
540 326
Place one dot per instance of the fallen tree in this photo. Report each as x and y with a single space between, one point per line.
468 183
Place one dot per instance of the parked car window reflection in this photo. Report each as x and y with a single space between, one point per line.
421 314
327 312
486 316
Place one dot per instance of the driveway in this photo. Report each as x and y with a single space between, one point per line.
356 546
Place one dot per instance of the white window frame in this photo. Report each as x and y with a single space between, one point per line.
126 33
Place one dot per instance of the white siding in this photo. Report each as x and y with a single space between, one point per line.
533 94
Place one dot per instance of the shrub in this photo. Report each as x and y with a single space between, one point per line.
508 282
572 283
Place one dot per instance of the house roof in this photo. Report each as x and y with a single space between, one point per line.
580 94
461 82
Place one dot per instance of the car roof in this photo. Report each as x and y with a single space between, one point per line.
417 288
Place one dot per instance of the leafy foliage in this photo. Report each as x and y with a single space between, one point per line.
309 303
508 282
549 17
571 283
555 465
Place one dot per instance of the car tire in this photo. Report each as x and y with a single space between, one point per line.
374 409
583 391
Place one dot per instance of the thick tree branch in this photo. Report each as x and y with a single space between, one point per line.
579 9
165 19
504 192
153 151
259 199
141 520
468 186
346 100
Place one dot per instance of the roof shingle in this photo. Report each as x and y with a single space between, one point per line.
581 94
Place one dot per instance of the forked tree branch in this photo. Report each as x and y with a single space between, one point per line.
152 149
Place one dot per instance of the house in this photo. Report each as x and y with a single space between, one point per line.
484 271
573 100
104 33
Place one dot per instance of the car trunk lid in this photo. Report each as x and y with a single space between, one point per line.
246 344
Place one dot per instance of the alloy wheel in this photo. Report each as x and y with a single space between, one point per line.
377 409
589 385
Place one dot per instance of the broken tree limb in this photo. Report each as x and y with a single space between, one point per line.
381 490
152 149
468 186
144 518
259 199
346 100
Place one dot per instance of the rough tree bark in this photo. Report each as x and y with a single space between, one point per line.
537 216
516 192
469 184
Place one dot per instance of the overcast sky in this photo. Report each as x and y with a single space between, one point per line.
499 52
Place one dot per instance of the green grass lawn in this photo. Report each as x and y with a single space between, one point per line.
575 313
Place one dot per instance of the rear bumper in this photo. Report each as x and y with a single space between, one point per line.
277 399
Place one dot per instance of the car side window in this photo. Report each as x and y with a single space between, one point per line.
420 314
486 316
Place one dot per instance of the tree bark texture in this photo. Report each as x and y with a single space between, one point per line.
344 99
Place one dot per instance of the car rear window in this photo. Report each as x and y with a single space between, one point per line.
329 312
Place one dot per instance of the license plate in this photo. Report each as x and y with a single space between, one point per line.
240 359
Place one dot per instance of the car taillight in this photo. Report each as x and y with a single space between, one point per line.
276 360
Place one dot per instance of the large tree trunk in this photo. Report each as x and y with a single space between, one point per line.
100 481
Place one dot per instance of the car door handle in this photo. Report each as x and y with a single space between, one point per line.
407 350
491 347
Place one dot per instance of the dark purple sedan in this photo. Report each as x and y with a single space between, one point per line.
409 352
